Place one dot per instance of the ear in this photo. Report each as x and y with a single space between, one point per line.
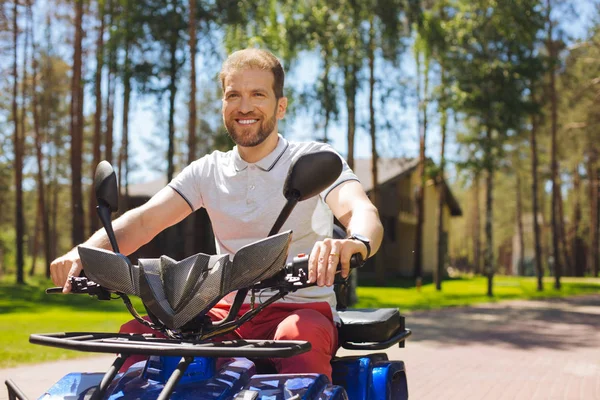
281 107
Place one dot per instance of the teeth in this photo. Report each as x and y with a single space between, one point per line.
247 121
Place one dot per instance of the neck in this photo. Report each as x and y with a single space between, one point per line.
257 153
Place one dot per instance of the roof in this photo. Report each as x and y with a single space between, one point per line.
389 169
147 189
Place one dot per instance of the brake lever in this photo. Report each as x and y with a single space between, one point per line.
81 285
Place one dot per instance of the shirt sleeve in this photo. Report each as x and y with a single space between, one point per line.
188 184
346 175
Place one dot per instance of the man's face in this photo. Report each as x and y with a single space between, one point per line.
250 109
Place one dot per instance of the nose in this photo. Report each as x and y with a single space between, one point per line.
246 105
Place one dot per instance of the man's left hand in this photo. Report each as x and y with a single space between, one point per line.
326 255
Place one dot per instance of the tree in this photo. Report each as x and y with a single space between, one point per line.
41 184
553 56
535 195
76 130
490 62
18 151
97 138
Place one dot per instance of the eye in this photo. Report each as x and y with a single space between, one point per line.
231 96
259 94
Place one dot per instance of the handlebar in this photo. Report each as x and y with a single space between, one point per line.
81 285
299 265
293 276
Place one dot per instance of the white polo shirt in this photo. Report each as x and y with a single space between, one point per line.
243 201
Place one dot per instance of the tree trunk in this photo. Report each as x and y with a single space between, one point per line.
592 171
535 200
520 262
379 264
42 202
489 218
189 234
96 150
566 256
326 94
576 259
477 227
18 160
172 92
192 106
111 93
35 247
124 150
77 231
441 237
554 159
350 88
422 111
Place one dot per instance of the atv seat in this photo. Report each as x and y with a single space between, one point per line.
371 329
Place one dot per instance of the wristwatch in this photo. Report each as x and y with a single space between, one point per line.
365 240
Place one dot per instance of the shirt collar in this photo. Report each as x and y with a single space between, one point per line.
266 163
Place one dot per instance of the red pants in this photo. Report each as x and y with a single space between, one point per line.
312 322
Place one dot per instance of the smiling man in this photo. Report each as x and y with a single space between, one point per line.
242 192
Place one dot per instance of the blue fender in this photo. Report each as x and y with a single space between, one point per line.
371 377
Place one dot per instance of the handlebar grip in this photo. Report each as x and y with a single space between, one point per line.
54 290
300 263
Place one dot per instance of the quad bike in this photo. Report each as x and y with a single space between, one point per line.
183 355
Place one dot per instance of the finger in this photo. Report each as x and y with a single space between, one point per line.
61 273
312 263
346 254
74 271
323 260
333 261
54 274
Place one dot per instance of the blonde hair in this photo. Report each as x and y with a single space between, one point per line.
254 59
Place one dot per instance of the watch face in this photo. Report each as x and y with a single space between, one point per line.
361 238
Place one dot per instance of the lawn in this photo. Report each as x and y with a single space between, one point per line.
467 291
27 309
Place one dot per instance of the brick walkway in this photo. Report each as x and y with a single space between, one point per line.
511 350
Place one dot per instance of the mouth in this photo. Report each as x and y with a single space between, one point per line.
246 121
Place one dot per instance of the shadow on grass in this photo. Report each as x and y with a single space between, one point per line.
32 298
403 283
561 323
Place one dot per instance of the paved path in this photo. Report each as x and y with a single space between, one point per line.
512 350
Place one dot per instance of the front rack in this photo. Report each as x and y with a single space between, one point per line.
147 344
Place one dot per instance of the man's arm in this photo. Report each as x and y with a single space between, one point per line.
133 229
354 210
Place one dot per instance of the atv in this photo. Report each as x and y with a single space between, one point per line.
184 353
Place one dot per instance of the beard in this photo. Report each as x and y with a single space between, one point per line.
244 137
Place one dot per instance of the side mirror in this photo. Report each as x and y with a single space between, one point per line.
107 197
309 175
105 186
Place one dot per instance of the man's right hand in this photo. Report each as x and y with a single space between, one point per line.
63 268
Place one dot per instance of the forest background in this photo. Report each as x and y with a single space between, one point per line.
502 95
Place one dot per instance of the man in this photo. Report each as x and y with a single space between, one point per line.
242 193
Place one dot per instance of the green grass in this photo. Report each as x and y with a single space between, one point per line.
468 291
27 309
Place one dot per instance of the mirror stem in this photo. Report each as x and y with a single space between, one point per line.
283 215
104 214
